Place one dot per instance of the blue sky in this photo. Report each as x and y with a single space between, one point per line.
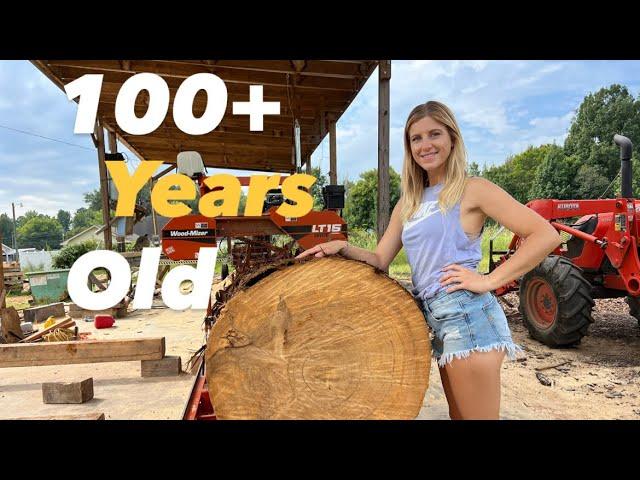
502 107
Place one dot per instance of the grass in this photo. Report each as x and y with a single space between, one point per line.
500 242
400 265
368 240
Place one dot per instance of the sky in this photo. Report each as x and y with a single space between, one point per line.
502 108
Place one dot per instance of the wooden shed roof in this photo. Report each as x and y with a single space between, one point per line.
313 91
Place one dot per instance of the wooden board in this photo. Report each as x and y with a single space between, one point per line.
86 351
324 339
41 313
165 367
79 416
77 312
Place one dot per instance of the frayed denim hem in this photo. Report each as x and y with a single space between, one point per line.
512 352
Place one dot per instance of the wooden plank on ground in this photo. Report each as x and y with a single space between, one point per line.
67 392
79 416
83 351
119 311
41 313
165 367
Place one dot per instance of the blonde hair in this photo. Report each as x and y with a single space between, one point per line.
415 178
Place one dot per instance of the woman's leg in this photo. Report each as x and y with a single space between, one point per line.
474 386
454 414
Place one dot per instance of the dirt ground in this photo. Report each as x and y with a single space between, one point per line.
601 379
597 379
119 390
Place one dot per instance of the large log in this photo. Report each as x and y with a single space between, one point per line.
321 339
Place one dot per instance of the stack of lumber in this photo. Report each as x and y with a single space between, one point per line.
13 276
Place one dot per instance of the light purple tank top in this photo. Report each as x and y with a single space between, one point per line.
433 240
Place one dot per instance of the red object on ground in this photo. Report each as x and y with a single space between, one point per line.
104 321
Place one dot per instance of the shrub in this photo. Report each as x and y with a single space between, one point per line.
69 254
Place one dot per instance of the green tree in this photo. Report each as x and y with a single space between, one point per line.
6 227
361 205
316 188
516 175
590 183
93 200
64 218
84 218
40 232
22 219
600 116
554 178
473 170
243 202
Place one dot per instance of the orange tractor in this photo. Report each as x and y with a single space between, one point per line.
598 260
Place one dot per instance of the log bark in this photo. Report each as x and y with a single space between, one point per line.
327 338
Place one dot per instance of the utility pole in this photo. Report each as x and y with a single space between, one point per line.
15 245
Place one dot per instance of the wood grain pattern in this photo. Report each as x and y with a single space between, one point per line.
322 339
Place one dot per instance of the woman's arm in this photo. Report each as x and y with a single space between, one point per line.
540 238
386 250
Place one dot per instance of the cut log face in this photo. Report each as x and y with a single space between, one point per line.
322 339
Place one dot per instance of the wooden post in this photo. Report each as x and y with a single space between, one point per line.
308 165
333 174
153 212
3 300
384 76
104 187
152 180
113 148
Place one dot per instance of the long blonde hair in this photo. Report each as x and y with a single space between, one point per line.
415 178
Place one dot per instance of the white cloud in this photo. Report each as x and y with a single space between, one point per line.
552 123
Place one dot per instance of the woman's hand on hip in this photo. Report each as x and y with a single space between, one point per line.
465 279
325 249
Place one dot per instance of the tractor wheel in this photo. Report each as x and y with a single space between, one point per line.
556 303
634 307
225 270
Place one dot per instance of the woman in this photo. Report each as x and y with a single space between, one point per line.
439 219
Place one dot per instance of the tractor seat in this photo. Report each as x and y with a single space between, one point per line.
575 245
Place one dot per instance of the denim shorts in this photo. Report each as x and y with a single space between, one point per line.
463 322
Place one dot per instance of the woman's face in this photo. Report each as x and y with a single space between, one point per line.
430 143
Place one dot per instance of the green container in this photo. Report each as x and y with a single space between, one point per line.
49 286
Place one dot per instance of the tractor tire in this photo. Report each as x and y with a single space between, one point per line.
634 307
556 303
224 271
